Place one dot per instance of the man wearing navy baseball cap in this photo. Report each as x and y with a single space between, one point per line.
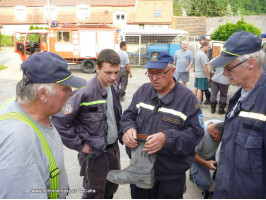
241 172
168 115
30 144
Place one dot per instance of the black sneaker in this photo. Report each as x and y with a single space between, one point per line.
214 175
190 176
207 195
207 102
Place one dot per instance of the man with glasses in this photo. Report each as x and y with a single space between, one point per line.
169 114
242 167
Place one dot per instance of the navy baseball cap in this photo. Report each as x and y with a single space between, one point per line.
202 37
48 67
240 43
159 60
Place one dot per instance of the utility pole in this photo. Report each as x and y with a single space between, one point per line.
49 13
77 11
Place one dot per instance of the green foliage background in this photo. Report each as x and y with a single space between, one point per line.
212 8
225 31
6 40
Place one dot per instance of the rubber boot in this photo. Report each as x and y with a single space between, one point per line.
140 172
208 97
213 107
221 108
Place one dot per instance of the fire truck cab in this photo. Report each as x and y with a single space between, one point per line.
77 44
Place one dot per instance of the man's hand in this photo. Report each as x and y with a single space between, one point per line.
129 138
187 69
209 78
86 149
210 164
155 142
130 75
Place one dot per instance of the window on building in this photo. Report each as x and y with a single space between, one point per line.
120 17
141 26
53 12
83 12
157 13
20 12
63 36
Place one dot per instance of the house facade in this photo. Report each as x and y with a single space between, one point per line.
18 15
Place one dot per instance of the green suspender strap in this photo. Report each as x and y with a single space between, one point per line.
54 171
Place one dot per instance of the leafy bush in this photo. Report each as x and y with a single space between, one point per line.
6 40
2 67
37 27
225 31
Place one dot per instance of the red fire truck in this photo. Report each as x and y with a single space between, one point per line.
77 44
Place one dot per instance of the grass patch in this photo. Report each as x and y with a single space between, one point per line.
2 67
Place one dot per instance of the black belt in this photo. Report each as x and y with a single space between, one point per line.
111 145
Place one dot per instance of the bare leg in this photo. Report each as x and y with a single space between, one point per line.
199 95
195 91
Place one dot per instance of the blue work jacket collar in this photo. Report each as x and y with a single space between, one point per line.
98 86
248 102
168 98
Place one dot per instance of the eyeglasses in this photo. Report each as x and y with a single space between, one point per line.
230 68
158 75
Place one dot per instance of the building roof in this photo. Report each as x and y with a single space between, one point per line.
36 3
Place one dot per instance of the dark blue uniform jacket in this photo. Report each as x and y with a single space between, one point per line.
177 114
242 168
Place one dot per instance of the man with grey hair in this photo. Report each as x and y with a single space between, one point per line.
162 126
183 60
242 167
32 159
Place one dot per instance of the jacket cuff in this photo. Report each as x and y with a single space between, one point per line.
79 147
128 127
168 140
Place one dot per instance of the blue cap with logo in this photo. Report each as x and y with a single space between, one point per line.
202 37
48 67
159 60
240 43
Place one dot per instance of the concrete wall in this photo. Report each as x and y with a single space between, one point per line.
258 21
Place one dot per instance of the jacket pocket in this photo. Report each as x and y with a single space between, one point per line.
248 153
169 122
93 121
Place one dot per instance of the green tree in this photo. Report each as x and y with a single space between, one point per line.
208 8
225 31
248 7
177 8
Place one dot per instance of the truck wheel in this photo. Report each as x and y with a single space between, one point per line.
88 66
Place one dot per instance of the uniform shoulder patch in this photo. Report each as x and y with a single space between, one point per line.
197 105
201 120
67 108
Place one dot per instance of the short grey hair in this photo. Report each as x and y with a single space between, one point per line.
258 55
219 127
28 93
